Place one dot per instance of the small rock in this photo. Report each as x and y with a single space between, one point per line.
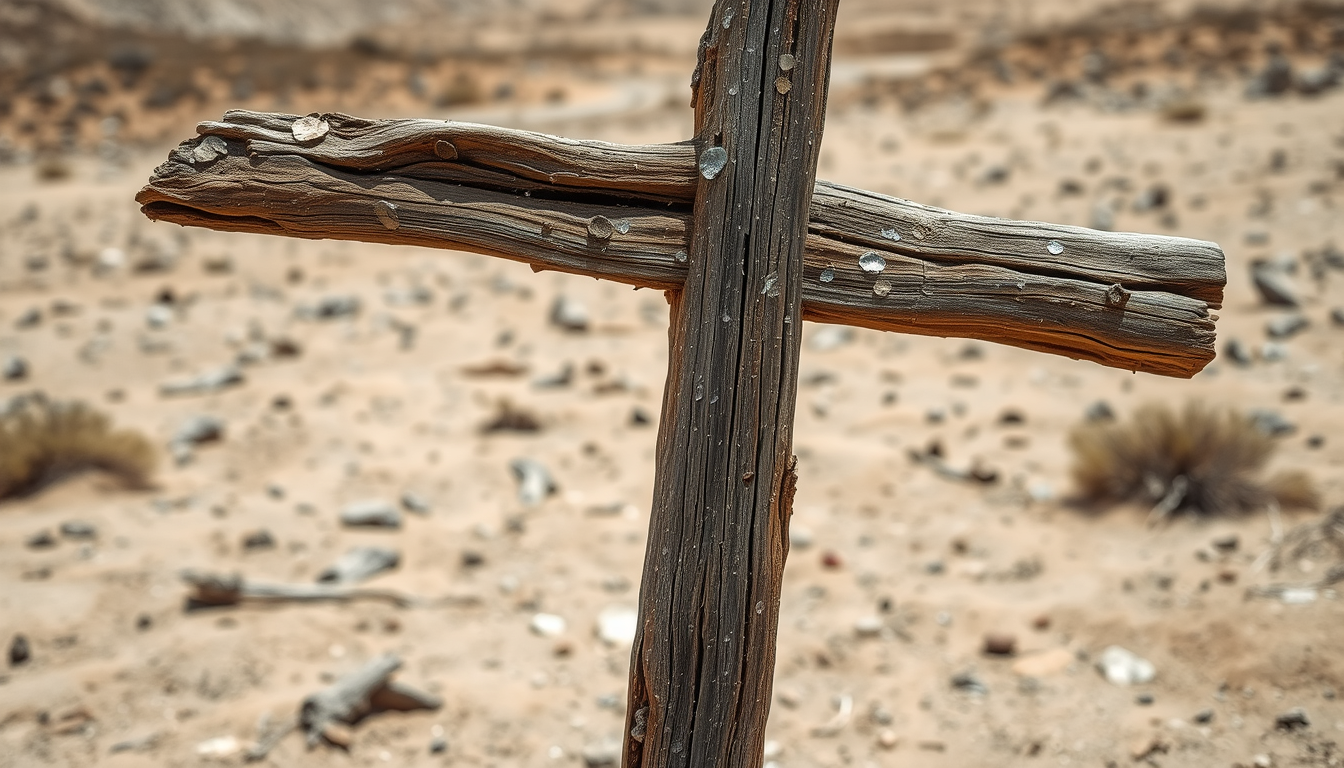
31 318
1287 326
331 308
832 561
887 739
1271 422
602 754
200 429
547 624
359 564
438 745
1012 417
258 540
616 625
1000 644
40 540
1273 285
137 744
1273 352
534 481
19 652
373 513
144 622
1292 720
639 417
1124 668
1204 716
1228 543
1274 80
800 537
415 503
1144 699
1099 411
1238 353
15 368
868 626
158 316
78 530
204 384
969 682
1337 317
569 314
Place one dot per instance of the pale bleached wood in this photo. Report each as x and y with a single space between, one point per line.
1008 296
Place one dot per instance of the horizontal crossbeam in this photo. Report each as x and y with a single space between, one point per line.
623 213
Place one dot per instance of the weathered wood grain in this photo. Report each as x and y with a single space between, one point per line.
947 283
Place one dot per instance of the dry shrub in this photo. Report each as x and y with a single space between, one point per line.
42 442
1204 460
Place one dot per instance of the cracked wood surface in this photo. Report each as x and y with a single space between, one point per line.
1130 301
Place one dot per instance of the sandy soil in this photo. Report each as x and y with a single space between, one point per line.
896 574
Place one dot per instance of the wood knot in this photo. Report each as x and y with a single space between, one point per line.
387 214
601 228
445 150
1117 296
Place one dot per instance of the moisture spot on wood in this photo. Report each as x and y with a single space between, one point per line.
712 161
783 85
310 128
872 263
601 228
387 214
445 150
787 62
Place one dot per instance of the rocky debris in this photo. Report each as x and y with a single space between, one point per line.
602 754
868 626
1286 326
206 383
330 308
1273 285
136 744
438 745
1000 644
569 314
616 625
1203 716
371 513
534 481
195 431
1099 411
1238 353
31 318
1337 317
1292 720
40 540
78 530
1227 544
511 418
1125 668
258 540
14 368
558 380
1275 79
547 624
158 316
1271 423
415 503
360 564
969 682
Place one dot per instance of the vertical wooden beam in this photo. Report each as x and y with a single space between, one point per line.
703 663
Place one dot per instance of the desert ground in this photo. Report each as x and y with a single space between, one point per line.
374 373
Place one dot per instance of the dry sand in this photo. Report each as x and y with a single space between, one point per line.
920 567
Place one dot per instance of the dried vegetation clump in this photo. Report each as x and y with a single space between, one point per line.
1202 459
42 442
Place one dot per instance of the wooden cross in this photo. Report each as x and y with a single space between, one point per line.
747 245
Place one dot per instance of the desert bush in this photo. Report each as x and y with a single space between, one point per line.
1202 459
42 442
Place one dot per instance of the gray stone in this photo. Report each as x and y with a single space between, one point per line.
1273 285
1287 326
19 651
603 754
15 368
204 384
359 564
200 429
1292 720
415 503
331 308
534 481
1337 317
569 314
1271 422
1122 667
373 513
1238 353
79 530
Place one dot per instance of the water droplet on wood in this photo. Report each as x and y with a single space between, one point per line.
892 235
601 228
771 288
827 275
712 161
881 288
210 149
622 225
872 262
728 14
1054 247
783 85
787 62
1117 296
445 150
310 128
682 256
387 213
760 607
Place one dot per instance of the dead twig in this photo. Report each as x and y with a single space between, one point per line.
216 590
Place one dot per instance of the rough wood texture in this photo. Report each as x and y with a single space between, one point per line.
624 213
702 665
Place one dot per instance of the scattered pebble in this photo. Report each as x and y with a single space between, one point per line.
1337 317
258 540
1292 720
832 560
359 564
78 530
1144 699
800 537
204 384
40 540
1204 716
1099 411
330 308
14 368
969 682
138 744
602 754
1000 644
438 745
1273 285
19 652
828 337
569 314
1124 668
371 513
616 625
1287 326
1271 422
868 626
415 503
534 481
197 430
547 624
